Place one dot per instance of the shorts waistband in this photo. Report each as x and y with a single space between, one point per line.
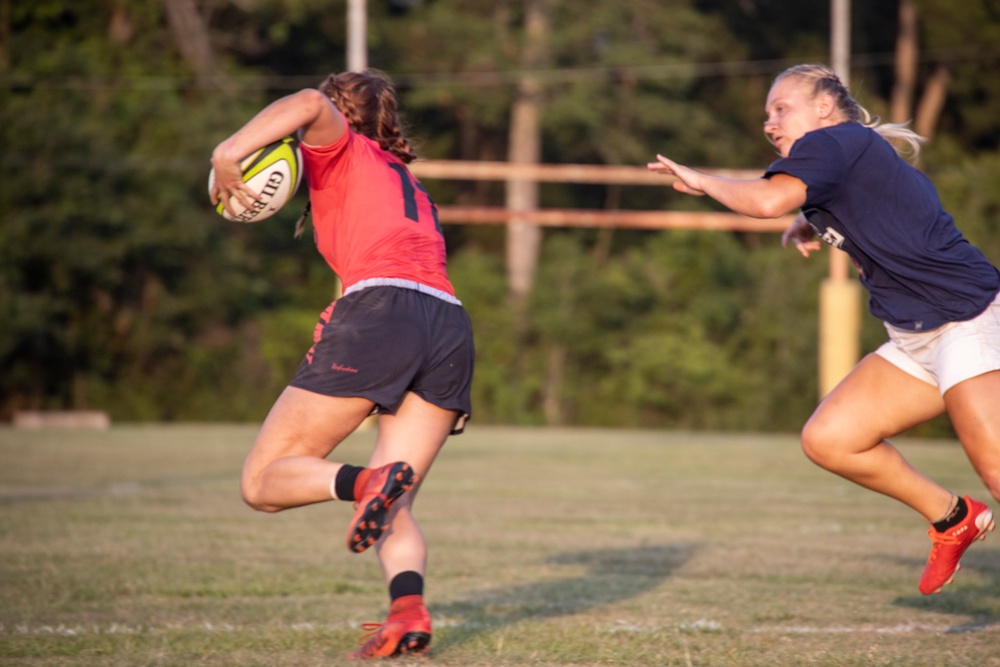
404 284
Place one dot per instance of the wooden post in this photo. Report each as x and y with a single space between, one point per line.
840 297
839 330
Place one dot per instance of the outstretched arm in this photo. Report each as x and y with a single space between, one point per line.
309 112
758 198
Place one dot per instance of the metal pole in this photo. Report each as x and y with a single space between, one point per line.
840 38
840 54
357 35
357 59
840 297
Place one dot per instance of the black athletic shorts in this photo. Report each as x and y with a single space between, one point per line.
381 342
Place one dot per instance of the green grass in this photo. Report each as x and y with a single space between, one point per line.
548 547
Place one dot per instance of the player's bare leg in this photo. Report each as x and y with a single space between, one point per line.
415 434
973 409
847 433
971 406
287 466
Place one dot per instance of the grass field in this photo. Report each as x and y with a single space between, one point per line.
548 547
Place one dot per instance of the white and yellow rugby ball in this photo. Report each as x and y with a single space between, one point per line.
274 172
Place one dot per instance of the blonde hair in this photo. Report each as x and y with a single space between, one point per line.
368 101
825 81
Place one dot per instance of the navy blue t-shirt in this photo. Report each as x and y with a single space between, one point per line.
866 200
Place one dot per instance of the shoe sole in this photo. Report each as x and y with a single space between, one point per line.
409 643
984 523
369 523
413 642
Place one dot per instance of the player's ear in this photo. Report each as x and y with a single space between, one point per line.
827 106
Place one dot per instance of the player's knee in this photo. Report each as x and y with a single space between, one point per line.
253 497
819 444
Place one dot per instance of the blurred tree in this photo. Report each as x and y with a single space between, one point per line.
524 146
117 277
121 289
191 36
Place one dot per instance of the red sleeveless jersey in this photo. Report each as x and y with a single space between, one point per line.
371 218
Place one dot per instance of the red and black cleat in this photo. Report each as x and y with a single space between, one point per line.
381 488
406 630
948 547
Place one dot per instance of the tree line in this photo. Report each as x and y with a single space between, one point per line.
122 290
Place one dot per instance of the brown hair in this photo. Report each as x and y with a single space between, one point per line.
824 81
368 101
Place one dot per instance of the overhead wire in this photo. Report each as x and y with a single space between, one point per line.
478 78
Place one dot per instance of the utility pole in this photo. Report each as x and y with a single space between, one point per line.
524 238
357 35
840 297
357 60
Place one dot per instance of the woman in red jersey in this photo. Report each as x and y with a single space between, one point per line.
397 342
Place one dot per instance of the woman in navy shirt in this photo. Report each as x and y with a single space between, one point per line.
935 292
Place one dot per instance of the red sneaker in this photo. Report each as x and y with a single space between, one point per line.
949 546
376 491
406 630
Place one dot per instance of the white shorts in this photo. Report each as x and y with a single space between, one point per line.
949 354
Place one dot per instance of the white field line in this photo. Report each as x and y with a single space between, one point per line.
900 629
702 625
81 630
699 625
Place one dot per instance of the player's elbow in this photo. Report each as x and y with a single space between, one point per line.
777 196
769 207
770 212
312 101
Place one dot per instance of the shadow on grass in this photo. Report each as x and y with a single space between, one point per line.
980 605
611 575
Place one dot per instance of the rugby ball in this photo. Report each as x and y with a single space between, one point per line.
274 173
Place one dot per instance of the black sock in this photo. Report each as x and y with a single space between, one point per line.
343 485
406 583
955 517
